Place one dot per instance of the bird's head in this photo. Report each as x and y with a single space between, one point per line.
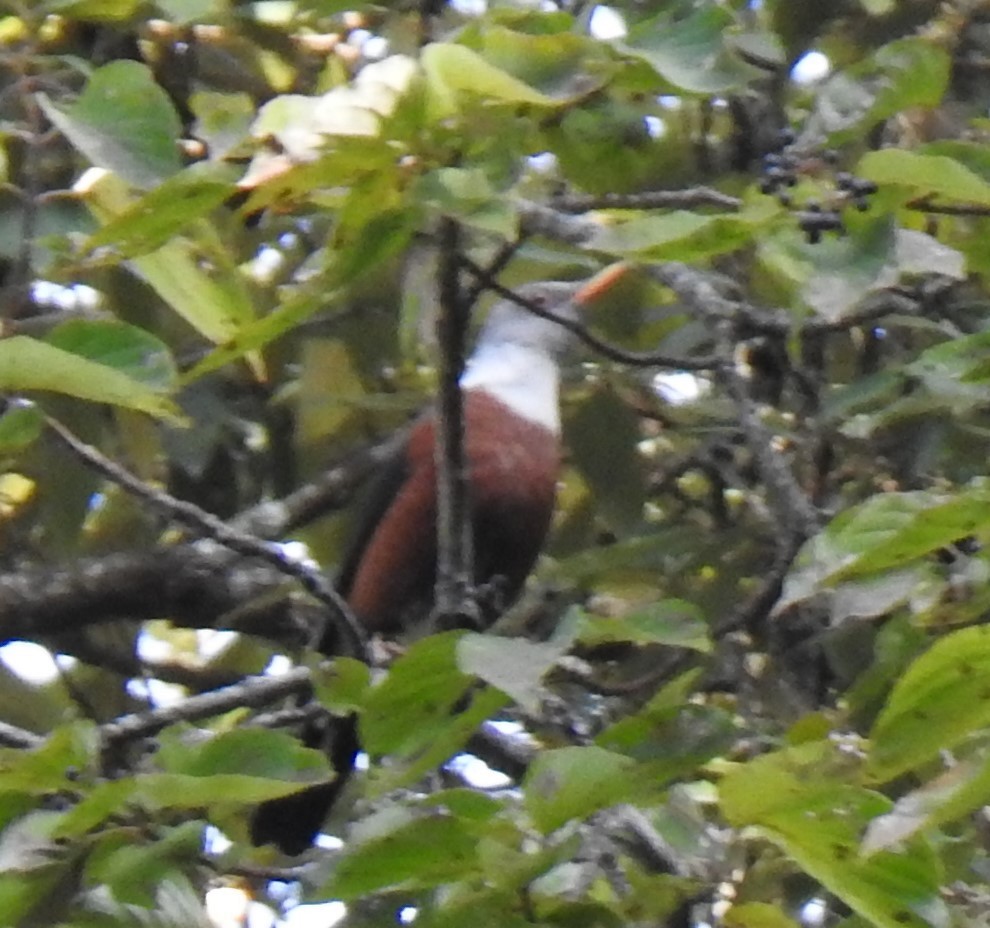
511 323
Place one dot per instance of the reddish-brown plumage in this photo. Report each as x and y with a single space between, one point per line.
512 447
513 472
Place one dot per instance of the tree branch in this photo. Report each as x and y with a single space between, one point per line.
250 692
455 558
209 526
689 198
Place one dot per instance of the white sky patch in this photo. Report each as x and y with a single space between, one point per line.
66 298
814 912
470 7
544 162
30 661
322 915
298 551
607 23
812 67
266 264
375 48
506 726
477 773
678 388
157 692
230 907
212 643
278 665
655 126
151 648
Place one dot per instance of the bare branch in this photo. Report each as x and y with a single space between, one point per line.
252 691
207 525
13 737
791 505
689 198
455 558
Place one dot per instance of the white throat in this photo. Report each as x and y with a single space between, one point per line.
523 378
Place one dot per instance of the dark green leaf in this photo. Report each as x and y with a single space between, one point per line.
571 783
421 853
124 348
19 427
691 53
123 122
166 211
927 175
514 666
671 622
27 364
942 698
802 800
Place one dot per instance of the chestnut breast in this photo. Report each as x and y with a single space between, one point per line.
513 463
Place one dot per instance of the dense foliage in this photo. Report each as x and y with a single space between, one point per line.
750 681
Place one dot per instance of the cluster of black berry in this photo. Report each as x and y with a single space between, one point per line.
781 169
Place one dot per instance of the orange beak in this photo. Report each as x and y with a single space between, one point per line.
601 283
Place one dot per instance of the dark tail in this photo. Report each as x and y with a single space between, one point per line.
292 822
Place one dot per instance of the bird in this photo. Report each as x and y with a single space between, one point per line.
512 428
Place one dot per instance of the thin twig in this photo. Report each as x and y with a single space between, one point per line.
252 691
689 198
791 505
604 348
207 525
925 205
13 737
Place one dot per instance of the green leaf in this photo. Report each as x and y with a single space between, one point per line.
887 531
940 700
956 793
166 211
125 348
691 53
421 689
467 194
135 871
422 853
927 175
215 304
123 121
384 237
684 236
671 622
803 801
513 665
250 751
916 72
571 783
453 70
875 256
671 736
108 11
154 792
559 63
20 426
757 915
49 767
424 711
603 434
27 364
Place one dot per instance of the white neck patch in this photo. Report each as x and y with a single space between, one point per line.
523 378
